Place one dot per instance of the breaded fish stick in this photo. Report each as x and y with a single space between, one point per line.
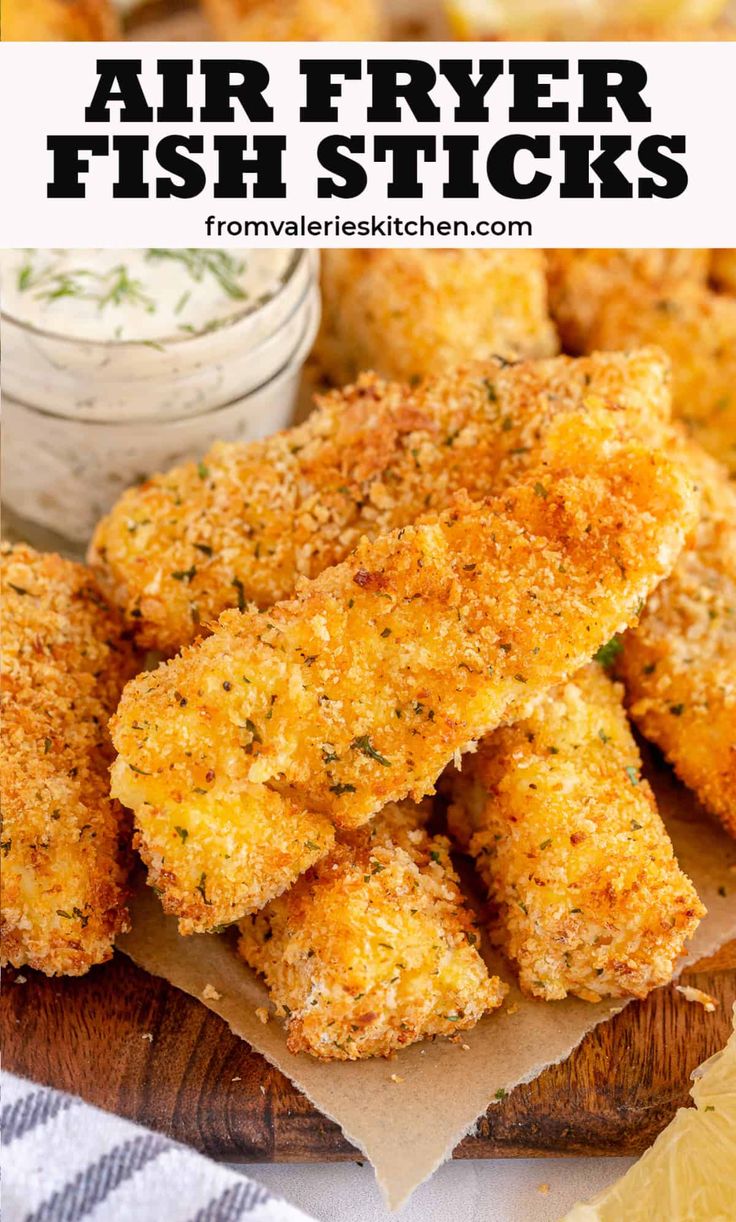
696 328
542 21
679 665
244 523
374 948
64 869
295 20
407 313
672 30
582 281
240 755
589 897
58 21
723 270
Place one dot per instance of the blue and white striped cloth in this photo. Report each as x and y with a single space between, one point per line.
64 1161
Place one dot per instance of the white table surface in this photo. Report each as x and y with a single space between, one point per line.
490 1190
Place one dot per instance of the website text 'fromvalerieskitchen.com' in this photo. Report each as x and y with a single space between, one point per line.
338 227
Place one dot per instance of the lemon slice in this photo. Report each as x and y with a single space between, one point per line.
571 18
689 1174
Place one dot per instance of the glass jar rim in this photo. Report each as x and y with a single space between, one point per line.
104 345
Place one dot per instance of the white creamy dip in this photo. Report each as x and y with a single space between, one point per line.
117 364
119 295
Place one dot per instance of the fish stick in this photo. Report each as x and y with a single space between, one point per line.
542 21
639 30
295 20
58 21
374 948
679 664
243 524
723 270
64 861
695 326
587 893
581 281
241 755
662 668
407 313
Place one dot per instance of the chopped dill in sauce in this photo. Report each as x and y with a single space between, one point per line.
145 295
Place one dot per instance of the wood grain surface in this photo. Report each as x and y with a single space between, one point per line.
195 1081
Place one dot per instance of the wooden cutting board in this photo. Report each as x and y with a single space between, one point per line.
133 1044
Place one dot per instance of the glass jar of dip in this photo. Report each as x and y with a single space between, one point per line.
98 393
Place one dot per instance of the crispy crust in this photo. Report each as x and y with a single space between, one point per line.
679 665
581 281
639 21
58 21
668 31
406 313
64 862
295 20
374 948
244 524
695 326
723 270
360 689
588 896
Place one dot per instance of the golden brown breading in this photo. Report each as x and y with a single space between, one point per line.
63 868
679 665
580 281
374 948
58 21
695 326
295 20
588 896
723 270
408 313
617 21
360 689
244 523
671 30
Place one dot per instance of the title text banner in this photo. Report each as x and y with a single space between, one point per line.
305 144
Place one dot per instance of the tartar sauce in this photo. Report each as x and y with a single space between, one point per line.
155 294
118 363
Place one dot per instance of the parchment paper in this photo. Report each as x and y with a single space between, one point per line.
408 1128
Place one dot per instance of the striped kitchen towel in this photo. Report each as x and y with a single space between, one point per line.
64 1160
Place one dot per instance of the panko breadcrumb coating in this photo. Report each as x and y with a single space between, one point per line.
723 270
679 665
408 313
581 280
295 20
239 755
64 664
244 523
588 896
695 326
58 21
374 948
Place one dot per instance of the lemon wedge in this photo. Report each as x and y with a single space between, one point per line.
689 1174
